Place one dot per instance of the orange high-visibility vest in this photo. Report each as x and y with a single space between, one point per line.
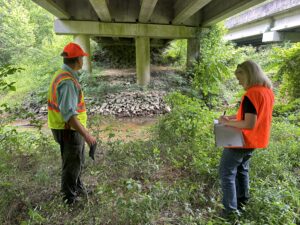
263 100
55 119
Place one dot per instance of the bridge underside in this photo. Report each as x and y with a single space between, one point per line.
144 21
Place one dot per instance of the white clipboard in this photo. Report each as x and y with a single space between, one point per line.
226 136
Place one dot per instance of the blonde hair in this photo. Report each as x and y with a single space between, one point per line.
255 75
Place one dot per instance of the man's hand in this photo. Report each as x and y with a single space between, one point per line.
90 140
74 123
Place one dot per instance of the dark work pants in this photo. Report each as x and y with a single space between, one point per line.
72 153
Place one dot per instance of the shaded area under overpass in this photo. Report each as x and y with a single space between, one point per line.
143 21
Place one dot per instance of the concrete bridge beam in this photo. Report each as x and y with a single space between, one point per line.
249 30
276 36
53 8
146 11
84 42
142 50
126 30
101 9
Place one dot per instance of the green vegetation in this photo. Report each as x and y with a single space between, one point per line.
170 177
28 42
150 182
288 61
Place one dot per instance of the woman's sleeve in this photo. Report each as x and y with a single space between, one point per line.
248 107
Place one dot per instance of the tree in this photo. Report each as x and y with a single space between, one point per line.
16 31
214 64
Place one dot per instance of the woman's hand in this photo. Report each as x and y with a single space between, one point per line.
223 119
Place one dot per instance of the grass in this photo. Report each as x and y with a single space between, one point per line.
135 183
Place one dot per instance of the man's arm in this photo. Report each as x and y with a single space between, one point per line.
67 99
74 122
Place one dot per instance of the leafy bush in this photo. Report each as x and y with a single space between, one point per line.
288 63
289 111
187 136
275 178
5 85
5 72
175 53
214 65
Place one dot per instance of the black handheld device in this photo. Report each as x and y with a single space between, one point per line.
92 150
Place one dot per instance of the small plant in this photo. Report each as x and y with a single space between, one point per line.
6 71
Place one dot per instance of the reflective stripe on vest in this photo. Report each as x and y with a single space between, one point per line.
55 119
263 100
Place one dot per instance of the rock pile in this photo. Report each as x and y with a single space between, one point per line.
131 104
124 104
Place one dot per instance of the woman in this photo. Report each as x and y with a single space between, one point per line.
254 119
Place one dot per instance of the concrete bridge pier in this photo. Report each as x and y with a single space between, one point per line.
193 51
142 52
84 41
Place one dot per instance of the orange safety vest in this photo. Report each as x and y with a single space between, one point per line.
263 100
55 119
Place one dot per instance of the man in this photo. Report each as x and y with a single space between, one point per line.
67 119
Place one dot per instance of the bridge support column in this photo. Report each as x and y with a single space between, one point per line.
193 51
84 42
142 52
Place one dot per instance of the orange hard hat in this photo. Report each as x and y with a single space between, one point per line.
73 50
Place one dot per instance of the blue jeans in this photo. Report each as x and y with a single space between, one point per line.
234 167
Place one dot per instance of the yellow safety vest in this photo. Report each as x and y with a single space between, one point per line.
55 119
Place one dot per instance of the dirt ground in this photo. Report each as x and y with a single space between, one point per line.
109 129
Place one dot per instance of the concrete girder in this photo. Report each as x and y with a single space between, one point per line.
279 22
101 8
68 27
262 12
53 8
275 36
287 20
250 30
190 9
272 36
147 9
219 10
